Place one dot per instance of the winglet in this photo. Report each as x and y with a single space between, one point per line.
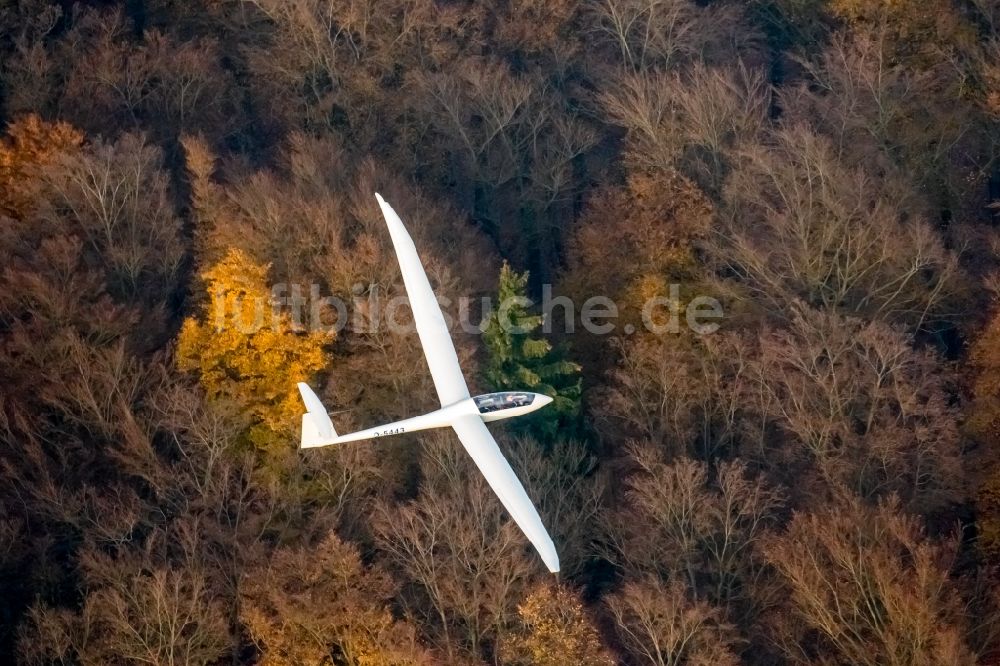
317 428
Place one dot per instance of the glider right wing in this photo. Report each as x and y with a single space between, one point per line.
431 326
480 444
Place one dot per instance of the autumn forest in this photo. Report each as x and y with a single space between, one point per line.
815 480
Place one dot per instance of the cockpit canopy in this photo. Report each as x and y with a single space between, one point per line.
492 402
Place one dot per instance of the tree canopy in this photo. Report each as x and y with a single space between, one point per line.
188 228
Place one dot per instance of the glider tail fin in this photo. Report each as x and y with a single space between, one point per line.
317 429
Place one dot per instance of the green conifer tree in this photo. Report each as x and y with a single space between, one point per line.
520 361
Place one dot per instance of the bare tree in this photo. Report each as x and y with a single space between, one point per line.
539 27
677 525
650 34
801 225
467 561
695 122
512 147
132 610
30 76
115 195
862 407
883 113
684 396
659 624
487 114
321 64
870 586
106 79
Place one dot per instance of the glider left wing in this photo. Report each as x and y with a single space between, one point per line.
431 326
480 444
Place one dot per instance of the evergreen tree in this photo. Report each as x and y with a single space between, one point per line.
520 361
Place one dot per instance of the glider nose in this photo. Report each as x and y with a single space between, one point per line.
543 400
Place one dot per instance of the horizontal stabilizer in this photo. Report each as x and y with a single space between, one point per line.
317 428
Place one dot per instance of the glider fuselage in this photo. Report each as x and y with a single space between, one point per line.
489 407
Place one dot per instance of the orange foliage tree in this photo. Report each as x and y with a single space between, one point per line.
309 603
983 423
30 142
555 630
655 220
917 30
984 419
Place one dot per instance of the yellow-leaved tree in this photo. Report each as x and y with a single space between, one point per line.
247 353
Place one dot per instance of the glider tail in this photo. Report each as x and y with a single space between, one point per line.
317 429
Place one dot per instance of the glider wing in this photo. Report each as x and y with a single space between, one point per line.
484 451
431 327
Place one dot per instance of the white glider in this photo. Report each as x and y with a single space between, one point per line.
462 412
